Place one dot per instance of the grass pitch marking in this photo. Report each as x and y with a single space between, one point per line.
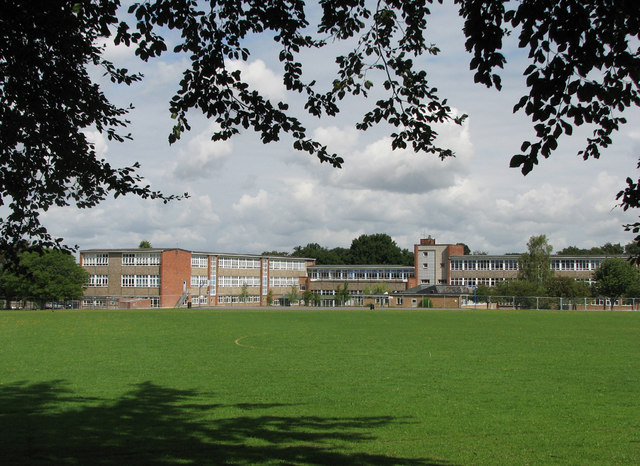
238 342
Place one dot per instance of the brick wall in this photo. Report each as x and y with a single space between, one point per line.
175 276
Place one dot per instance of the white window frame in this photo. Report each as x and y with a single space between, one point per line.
98 281
97 259
128 281
199 261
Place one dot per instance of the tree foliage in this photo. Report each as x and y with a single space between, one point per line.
582 68
606 249
244 293
321 254
342 294
51 275
378 248
535 265
615 277
48 102
374 249
566 287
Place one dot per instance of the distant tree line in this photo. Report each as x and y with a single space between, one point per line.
375 249
607 249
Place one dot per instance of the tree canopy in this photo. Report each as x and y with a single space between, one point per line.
374 249
51 275
582 68
535 264
616 277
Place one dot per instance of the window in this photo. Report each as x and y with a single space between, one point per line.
275 282
98 280
497 264
483 264
95 259
199 261
128 281
198 280
142 281
94 302
265 277
279 264
582 264
511 264
199 300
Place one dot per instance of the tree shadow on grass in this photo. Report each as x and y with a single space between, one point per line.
45 423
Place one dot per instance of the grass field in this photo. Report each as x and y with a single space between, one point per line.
319 387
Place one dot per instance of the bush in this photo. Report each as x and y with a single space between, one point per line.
425 302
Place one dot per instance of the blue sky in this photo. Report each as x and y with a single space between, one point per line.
249 197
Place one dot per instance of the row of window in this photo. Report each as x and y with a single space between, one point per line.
275 282
141 258
112 303
484 264
575 264
228 281
140 281
355 274
280 264
238 299
475 281
238 263
512 264
95 259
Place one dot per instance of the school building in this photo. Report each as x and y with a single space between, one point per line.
181 278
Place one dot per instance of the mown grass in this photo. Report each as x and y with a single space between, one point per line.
319 387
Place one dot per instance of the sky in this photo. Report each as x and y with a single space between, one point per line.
246 197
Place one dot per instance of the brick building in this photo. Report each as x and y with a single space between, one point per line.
177 277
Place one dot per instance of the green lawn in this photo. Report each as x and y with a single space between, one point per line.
319 387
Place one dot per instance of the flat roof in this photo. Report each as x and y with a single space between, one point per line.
202 253
361 267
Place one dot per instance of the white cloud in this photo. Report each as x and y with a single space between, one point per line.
338 140
202 155
260 77
378 167
99 143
